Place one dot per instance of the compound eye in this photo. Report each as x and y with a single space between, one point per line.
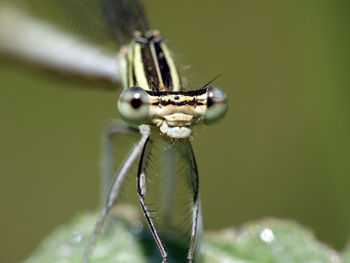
216 105
133 106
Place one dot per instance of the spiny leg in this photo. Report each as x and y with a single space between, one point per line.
114 190
195 217
113 128
196 202
141 189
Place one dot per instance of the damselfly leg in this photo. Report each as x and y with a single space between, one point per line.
141 190
114 190
194 181
107 171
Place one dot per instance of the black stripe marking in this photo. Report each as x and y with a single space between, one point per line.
182 103
185 93
150 62
163 66
149 67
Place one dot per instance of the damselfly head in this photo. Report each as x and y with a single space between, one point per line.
174 112
157 96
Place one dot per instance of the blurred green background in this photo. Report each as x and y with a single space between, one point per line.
282 151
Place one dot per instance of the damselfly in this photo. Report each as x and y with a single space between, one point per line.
157 105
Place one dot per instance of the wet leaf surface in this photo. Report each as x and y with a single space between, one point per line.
126 239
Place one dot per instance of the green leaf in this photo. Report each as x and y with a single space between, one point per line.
126 239
346 255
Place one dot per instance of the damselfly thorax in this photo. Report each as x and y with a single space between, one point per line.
153 92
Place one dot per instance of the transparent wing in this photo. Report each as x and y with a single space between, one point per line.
117 140
171 184
98 20
73 36
114 130
125 17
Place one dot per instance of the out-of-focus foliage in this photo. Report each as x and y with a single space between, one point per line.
265 241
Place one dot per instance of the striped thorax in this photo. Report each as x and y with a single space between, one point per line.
153 93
